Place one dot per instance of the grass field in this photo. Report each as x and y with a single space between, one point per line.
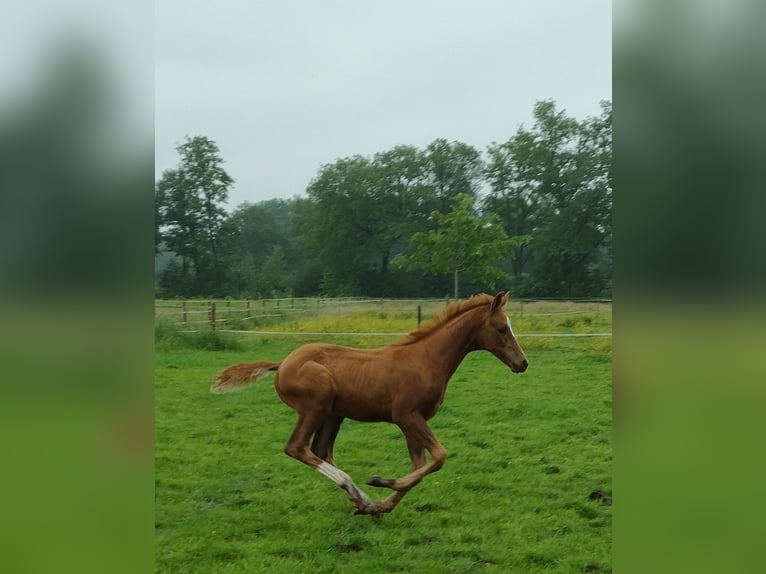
526 486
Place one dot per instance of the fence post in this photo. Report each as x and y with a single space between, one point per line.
212 314
248 309
183 306
419 315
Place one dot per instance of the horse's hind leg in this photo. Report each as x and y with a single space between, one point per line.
324 438
297 447
309 391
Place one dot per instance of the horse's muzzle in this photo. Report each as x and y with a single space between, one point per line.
521 368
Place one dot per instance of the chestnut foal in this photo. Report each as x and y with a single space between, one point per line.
402 383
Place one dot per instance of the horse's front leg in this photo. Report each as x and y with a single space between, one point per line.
419 438
417 453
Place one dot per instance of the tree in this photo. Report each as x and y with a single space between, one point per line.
554 182
462 242
275 276
260 227
345 221
452 168
512 192
190 214
363 209
306 266
575 198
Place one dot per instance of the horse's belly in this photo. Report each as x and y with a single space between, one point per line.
363 409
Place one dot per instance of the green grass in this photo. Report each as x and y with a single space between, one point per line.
525 452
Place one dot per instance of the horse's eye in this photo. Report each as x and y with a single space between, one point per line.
502 330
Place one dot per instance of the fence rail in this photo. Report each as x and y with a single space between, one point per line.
220 314
356 334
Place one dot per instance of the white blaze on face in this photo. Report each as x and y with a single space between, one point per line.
510 330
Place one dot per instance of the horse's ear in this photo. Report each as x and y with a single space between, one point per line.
500 300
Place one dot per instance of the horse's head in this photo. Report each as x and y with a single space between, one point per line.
496 336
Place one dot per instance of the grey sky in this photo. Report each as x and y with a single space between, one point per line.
286 86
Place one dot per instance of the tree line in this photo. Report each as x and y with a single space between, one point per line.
532 214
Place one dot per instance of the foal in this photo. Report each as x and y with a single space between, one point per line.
402 383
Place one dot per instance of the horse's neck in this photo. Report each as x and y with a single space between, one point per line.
449 345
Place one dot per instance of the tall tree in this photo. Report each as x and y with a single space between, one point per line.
275 278
404 197
261 226
512 192
576 190
307 265
597 146
362 210
344 222
462 243
189 209
554 183
452 168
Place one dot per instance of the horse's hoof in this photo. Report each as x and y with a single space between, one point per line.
366 509
370 510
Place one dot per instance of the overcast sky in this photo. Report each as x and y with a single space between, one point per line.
285 86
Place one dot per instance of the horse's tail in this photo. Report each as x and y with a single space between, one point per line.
241 375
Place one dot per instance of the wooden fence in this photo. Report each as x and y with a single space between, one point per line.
192 313
215 311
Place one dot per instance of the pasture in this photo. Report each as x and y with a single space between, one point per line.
526 486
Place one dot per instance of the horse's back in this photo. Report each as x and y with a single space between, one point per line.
328 355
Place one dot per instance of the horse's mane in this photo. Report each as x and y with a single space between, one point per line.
452 311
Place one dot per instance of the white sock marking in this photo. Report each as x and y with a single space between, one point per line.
334 473
344 481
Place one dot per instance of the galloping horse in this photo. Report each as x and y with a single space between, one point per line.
402 383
